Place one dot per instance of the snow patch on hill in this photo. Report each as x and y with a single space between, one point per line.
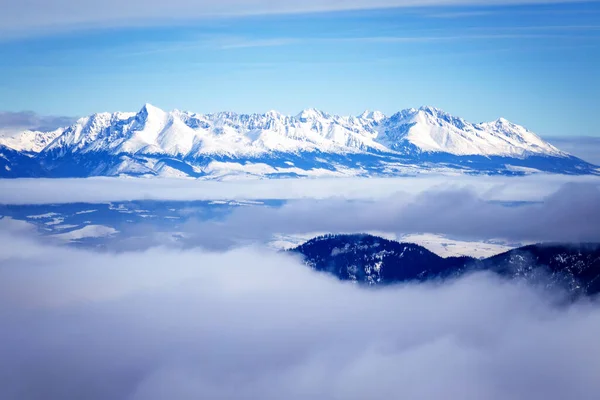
88 231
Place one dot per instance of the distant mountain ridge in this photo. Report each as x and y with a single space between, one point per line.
153 142
373 260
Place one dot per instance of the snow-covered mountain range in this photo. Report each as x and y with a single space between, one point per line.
153 142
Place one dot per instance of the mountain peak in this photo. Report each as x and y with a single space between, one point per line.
311 114
432 110
372 115
150 113
149 109
373 260
503 121
273 114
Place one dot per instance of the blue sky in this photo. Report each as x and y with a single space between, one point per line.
537 65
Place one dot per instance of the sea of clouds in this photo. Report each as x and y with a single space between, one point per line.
249 323
98 190
514 210
570 214
217 320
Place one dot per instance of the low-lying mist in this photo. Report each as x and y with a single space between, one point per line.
98 190
249 323
569 214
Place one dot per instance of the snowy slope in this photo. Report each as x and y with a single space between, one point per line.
312 143
433 130
28 141
177 133
154 131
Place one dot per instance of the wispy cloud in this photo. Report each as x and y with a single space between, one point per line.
38 16
444 38
28 120
496 11
460 14
233 43
250 43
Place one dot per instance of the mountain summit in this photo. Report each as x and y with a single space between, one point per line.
312 143
434 130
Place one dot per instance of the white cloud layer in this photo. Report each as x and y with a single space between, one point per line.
30 16
541 208
249 324
584 147
571 214
98 190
